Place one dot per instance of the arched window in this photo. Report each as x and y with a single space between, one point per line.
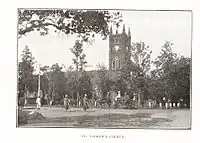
116 64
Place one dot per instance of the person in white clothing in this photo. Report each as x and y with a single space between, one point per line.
118 96
38 102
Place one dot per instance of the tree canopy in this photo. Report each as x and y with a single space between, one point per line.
85 23
26 69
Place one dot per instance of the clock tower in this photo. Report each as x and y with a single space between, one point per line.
119 49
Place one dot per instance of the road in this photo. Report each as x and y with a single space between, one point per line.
114 118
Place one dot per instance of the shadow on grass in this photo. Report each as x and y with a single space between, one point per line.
104 121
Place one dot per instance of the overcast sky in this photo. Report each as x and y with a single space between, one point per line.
152 27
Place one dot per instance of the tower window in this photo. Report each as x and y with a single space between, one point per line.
116 63
116 40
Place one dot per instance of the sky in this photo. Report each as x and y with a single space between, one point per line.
151 27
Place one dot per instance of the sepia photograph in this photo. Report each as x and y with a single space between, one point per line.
104 68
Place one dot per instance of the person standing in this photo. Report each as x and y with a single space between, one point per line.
38 102
85 102
117 98
66 102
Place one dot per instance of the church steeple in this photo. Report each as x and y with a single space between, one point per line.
124 31
111 30
119 48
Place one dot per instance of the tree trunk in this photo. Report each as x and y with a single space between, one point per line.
25 95
139 100
77 95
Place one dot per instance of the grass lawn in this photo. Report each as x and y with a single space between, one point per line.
112 118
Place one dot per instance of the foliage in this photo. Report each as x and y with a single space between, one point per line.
58 79
25 73
102 80
171 78
78 82
141 55
85 23
79 60
53 82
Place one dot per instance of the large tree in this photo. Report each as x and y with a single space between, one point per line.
47 83
85 23
59 81
25 73
164 64
101 80
141 55
79 83
172 75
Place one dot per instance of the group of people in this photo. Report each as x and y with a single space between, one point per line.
67 101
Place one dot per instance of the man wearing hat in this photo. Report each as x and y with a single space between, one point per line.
66 102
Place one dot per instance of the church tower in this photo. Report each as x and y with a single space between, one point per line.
119 49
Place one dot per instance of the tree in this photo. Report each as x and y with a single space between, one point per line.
59 82
25 73
141 55
47 83
179 81
166 59
79 83
164 65
102 80
79 60
53 82
172 75
85 23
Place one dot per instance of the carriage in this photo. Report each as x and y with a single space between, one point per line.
104 103
125 103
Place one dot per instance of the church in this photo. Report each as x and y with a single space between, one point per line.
119 54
